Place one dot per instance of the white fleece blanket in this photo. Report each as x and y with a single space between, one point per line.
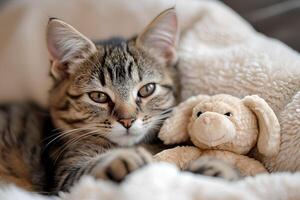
165 182
217 48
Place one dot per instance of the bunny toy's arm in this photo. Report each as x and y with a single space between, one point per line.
180 156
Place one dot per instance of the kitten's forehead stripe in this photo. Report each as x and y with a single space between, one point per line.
129 69
130 53
127 49
110 73
118 64
121 67
140 74
101 76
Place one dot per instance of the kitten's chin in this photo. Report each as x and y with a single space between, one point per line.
127 140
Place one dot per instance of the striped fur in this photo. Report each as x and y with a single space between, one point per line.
100 138
120 69
91 137
96 137
21 128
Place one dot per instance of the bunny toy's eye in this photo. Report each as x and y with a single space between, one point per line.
228 114
199 113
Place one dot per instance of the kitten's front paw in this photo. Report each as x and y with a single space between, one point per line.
209 166
116 164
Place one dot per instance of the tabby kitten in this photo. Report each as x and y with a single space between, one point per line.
110 94
107 97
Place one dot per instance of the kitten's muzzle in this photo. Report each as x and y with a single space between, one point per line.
126 122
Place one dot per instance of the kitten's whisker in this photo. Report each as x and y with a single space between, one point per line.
58 133
53 134
64 134
76 139
72 142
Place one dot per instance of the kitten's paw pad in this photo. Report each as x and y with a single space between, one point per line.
209 166
117 164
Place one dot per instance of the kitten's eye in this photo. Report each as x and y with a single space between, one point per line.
99 97
147 90
199 113
228 114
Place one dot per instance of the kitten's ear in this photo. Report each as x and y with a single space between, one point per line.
66 46
161 35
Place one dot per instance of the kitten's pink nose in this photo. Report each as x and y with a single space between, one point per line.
126 122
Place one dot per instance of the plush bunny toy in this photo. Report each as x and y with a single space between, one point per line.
224 127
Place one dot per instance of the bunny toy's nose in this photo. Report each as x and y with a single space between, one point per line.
206 120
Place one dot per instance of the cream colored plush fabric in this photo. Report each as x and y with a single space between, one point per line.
219 52
165 182
202 120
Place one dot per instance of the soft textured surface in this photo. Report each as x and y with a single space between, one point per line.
165 182
220 53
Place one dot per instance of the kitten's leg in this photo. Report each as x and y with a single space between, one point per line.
116 164
113 165
210 166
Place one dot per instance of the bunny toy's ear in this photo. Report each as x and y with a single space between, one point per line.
174 129
269 128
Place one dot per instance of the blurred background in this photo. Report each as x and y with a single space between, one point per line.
24 63
276 18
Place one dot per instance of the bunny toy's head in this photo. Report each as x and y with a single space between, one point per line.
224 122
